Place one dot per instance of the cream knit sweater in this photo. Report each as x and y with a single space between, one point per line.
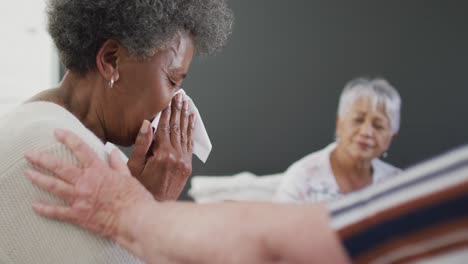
24 236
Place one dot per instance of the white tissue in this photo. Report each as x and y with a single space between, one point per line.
201 142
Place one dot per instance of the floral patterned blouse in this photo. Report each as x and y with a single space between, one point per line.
311 178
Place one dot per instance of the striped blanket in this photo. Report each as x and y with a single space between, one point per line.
421 216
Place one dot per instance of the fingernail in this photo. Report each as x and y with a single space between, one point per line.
29 155
59 133
36 206
144 127
30 174
179 102
194 120
185 106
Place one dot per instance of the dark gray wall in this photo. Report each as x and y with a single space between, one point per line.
271 96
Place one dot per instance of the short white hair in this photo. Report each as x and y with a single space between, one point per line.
379 91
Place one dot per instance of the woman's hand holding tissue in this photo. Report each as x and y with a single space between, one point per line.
164 163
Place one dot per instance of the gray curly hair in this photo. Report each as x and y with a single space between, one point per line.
80 27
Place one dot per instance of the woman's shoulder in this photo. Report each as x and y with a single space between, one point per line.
37 113
32 126
317 157
383 169
34 117
312 164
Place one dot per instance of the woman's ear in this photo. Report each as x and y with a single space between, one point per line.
107 60
392 139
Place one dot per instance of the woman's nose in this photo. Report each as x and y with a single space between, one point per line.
366 129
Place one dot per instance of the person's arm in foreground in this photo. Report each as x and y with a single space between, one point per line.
110 202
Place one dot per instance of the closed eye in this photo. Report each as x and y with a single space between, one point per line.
172 83
358 120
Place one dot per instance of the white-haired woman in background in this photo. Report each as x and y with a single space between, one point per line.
368 120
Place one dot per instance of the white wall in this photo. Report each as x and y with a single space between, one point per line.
28 61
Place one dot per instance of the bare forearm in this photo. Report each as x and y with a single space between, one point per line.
229 233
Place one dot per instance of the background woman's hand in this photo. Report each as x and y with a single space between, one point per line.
164 163
98 196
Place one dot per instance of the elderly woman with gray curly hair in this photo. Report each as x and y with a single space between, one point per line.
125 61
368 120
